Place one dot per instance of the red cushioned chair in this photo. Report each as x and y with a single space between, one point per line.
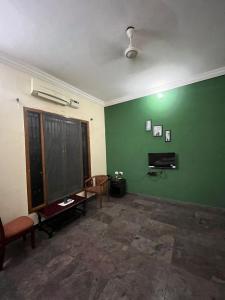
14 230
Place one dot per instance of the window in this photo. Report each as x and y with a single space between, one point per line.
57 156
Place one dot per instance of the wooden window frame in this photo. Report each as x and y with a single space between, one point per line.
27 154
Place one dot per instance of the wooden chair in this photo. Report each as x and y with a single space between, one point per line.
14 230
97 184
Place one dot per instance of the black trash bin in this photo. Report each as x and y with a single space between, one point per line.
117 187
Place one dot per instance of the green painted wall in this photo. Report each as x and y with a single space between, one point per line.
196 116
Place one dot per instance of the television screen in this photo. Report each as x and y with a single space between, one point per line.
162 160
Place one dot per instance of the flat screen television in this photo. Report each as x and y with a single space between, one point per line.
162 160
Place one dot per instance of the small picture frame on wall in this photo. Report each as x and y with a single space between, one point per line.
148 125
157 130
167 136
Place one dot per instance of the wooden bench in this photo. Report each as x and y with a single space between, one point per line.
54 210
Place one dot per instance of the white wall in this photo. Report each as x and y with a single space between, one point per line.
13 188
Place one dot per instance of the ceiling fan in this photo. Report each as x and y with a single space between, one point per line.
131 52
105 51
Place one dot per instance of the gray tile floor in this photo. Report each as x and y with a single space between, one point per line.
133 248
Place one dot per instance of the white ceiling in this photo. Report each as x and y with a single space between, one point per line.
82 41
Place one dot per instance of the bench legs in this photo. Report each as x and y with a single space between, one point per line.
32 238
2 247
2 255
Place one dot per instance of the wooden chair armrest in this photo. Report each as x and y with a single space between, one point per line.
104 181
86 181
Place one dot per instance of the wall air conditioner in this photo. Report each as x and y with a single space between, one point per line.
51 93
